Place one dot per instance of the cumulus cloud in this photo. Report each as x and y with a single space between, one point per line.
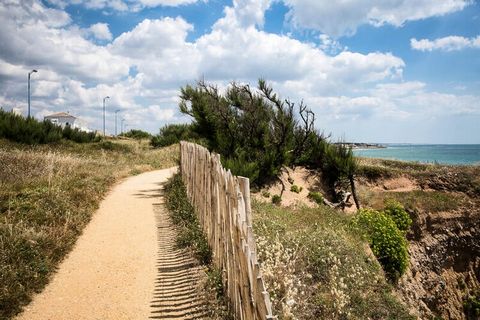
30 38
337 18
100 31
450 43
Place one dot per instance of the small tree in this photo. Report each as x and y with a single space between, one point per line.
339 166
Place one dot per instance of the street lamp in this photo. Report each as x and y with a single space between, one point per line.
107 97
116 111
29 74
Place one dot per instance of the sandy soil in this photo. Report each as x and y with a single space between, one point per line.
111 272
306 180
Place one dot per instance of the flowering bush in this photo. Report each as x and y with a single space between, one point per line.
397 212
387 242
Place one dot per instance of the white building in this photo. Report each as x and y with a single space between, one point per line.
62 119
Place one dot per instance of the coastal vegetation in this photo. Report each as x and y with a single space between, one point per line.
316 267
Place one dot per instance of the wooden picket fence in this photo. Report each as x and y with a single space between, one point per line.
222 203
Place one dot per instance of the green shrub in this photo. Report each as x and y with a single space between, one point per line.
296 189
471 306
136 134
397 212
387 242
173 133
276 199
373 172
240 166
315 197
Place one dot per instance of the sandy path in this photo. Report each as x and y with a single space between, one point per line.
111 272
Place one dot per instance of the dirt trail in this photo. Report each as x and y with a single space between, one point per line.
123 266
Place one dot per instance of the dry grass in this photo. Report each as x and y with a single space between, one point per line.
47 196
316 266
441 187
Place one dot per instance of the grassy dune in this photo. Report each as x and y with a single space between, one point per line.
47 196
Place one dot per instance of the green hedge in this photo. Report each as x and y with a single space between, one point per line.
31 131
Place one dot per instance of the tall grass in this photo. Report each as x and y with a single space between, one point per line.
47 196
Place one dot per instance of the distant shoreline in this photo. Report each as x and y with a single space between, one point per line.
438 154
362 145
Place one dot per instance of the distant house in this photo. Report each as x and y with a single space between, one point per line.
62 119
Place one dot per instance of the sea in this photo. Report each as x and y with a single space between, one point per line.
454 154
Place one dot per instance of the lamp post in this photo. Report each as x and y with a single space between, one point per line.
107 97
29 74
116 111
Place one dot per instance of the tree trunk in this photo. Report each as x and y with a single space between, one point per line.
354 191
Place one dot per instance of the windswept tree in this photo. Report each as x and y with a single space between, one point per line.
252 129
257 133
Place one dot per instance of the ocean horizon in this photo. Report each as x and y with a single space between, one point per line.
453 154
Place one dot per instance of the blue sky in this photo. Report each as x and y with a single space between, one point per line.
372 71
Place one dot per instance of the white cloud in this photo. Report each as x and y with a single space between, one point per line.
450 43
172 3
100 31
329 45
30 38
337 18
121 5
30 12
118 5
151 38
